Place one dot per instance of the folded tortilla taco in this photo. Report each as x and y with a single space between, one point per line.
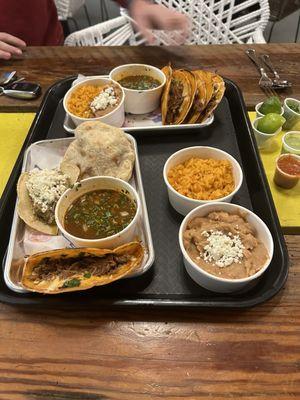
178 97
67 270
167 70
200 100
38 192
217 95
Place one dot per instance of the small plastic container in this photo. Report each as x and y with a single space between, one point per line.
259 114
281 177
261 137
291 116
288 146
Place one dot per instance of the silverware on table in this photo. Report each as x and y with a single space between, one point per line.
266 83
6 77
277 80
21 90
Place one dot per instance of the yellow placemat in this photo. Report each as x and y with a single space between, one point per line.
13 131
287 201
14 128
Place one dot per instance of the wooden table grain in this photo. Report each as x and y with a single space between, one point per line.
46 65
140 354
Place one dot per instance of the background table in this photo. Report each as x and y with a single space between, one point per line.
145 353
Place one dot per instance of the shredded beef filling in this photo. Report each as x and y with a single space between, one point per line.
64 268
175 100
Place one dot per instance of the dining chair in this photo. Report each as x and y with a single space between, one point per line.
212 22
66 9
280 9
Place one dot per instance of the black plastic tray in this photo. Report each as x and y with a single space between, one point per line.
166 283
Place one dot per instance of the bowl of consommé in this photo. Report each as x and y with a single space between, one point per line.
142 84
101 212
225 247
198 175
96 99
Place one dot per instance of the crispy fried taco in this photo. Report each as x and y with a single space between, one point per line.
67 270
178 97
200 100
38 193
207 76
217 95
167 70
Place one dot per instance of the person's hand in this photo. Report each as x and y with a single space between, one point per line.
10 45
154 16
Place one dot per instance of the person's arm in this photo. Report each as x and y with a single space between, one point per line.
148 16
10 45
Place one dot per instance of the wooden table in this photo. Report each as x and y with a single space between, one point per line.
47 65
150 354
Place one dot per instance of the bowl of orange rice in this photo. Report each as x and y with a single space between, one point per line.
96 99
199 175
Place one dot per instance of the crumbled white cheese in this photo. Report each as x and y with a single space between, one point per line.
45 187
104 99
222 249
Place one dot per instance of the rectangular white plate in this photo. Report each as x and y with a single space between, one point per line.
150 122
18 246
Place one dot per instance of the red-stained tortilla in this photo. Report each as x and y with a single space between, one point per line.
178 97
66 270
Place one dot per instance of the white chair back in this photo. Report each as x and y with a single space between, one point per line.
67 8
115 32
217 21
212 22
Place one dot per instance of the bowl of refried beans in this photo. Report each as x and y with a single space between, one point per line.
225 247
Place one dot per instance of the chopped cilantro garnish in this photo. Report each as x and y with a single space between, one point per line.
71 283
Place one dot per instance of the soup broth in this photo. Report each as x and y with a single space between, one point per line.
139 82
99 214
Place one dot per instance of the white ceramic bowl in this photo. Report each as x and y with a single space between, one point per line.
212 282
89 185
140 101
115 118
183 204
292 118
259 114
263 138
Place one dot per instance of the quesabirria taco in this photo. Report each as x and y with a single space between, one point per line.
218 89
190 97
178 96
200 99
67 270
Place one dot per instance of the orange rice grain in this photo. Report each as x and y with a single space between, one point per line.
202 179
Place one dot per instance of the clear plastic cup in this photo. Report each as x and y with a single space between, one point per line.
259 114
291 143
291 117
263 138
